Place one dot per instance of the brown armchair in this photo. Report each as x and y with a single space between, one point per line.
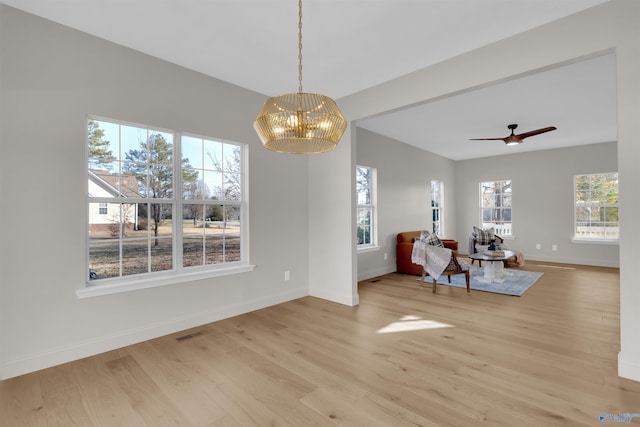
404 248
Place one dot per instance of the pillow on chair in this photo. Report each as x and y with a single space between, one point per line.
433 240
484 236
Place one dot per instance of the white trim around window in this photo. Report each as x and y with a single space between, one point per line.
203 197
366 209
596 202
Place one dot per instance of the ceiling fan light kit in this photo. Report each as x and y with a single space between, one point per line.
514 139
300 123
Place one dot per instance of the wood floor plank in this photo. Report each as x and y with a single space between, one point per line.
22 402
145 397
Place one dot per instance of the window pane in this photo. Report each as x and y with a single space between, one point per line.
192 185
611 215
135 257
364 225
104 258
232 247
232 186
192 250
214 214
583 214
192 219
103 144
162 255
132 140
232 214
212 155
583 196
213 185
214 248
192 151
231 161
160 219
363 185
160 182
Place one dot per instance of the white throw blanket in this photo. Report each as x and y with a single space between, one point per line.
433 259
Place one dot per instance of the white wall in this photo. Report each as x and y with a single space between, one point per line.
612 26
51 78
404 195
332 237
542 186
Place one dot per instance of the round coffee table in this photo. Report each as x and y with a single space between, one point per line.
493 272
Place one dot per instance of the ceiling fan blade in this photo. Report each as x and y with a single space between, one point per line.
486 139
524 135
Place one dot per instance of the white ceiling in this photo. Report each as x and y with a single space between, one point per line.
351 45
579 99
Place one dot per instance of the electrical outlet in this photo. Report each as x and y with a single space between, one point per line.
554 247
385 256
538 246
286 275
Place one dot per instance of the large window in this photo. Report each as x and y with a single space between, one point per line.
160 202
366 207
437 205
596 206
495 206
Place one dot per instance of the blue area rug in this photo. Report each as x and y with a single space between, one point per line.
516 281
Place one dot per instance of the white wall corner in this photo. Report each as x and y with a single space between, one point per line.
628 368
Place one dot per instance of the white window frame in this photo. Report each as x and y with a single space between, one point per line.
502 228
369 206
609 234
437 207
178 273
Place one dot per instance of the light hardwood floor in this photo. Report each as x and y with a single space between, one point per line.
547 358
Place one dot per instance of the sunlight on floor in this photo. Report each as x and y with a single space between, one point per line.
412 323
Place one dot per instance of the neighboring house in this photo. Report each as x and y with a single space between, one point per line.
104 216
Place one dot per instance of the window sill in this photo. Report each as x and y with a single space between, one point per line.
160 280
368 248
595 241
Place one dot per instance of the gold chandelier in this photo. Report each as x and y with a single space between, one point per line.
300 123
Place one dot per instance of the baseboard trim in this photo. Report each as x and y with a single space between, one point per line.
627 368
352 299
370 274
56 356
576 261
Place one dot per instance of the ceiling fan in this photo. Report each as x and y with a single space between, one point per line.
514 139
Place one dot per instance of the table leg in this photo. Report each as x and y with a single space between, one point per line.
489 270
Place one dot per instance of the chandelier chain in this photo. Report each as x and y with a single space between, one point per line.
299 46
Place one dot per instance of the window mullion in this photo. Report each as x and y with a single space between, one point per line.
178 202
